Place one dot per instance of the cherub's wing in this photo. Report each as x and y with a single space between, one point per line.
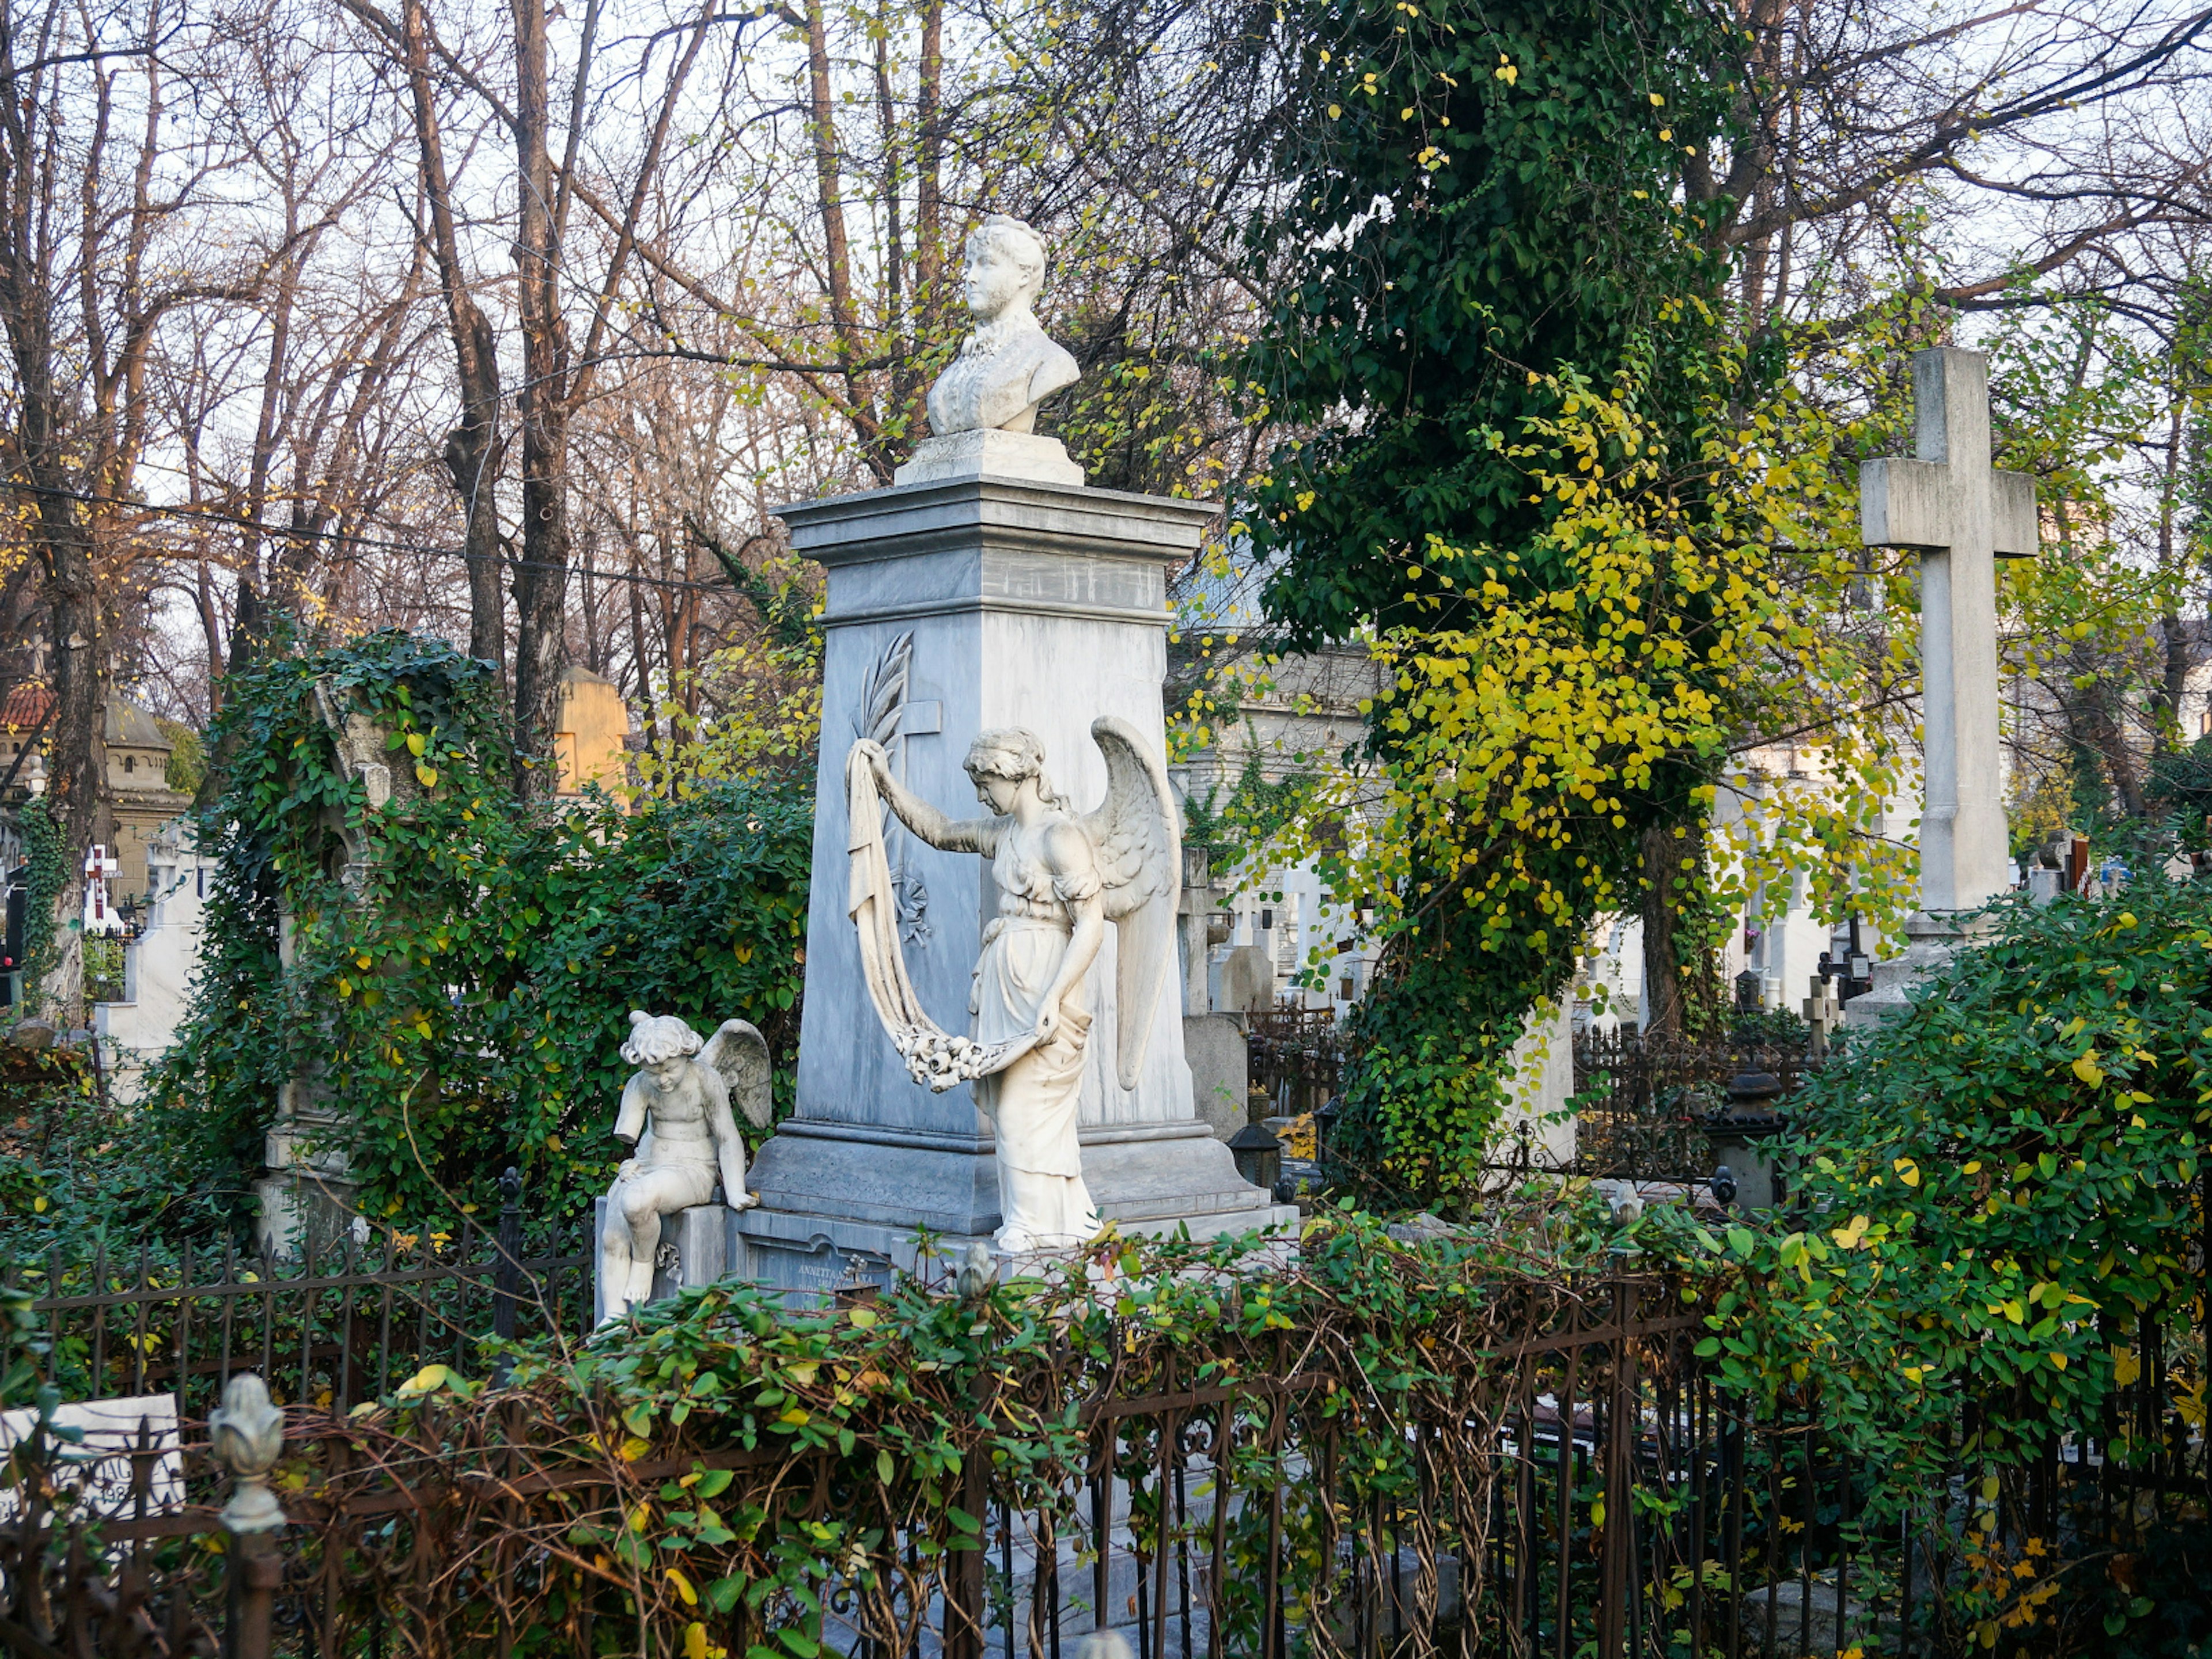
1138 836
739 1053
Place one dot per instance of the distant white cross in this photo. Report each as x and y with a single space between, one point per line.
1961 515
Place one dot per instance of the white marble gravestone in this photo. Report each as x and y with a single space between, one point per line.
1961 515
956 604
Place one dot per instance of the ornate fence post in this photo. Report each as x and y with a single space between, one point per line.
966 1609
246 1434
506 1269
1623 1421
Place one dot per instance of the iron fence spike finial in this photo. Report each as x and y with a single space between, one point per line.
248 1437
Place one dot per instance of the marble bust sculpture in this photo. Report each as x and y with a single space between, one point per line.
1009 365
1061 879
676 1117
982 409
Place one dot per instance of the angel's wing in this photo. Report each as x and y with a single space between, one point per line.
739 1053
1138 836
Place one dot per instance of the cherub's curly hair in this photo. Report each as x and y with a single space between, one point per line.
656 1037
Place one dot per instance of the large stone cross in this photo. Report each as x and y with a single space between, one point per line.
1961 515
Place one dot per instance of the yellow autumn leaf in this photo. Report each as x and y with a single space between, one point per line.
430 1378
694 1640
1848 1237
683 1588
634 1448
1907 1171
2059 1360
2126 1368
2088 1071
796 1418
427 776
416 743
864 1318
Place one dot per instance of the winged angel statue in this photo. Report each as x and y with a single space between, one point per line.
1060 878
676 1118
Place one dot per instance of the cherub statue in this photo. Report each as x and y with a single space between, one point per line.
1061 879
1009 365
676 1117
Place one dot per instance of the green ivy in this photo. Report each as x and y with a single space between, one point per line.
45 852
460 987
1472 199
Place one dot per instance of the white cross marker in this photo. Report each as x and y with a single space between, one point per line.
1962 516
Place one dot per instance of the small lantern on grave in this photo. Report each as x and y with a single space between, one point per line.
1259 1155
1741 1135
100 915
1747 991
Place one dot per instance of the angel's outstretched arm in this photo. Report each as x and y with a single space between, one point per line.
946 835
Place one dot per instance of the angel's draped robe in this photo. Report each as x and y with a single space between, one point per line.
1033 1103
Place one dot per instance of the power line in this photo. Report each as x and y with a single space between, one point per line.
384 544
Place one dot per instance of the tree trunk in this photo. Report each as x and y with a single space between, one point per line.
541 585
1669 871
473 446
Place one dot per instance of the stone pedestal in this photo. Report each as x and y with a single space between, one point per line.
698 1247
1934 936
307 1196
1540 1082
954 606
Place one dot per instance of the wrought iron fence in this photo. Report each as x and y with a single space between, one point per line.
345 1322
1295 1058
1631 1507
1640 1107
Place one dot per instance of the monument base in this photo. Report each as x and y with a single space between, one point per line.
306 1199
1935 935
993 454
837 1210
698 1247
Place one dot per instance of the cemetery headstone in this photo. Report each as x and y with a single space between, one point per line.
1244 982
1540 1082
1213 1042
591 725
1823 1013
1960 515
98 1466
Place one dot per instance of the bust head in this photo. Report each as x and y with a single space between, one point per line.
1005 269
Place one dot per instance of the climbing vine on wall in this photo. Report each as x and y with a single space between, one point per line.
46 855
447 975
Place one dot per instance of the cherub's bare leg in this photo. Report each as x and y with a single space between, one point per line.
646 1197
615 1255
